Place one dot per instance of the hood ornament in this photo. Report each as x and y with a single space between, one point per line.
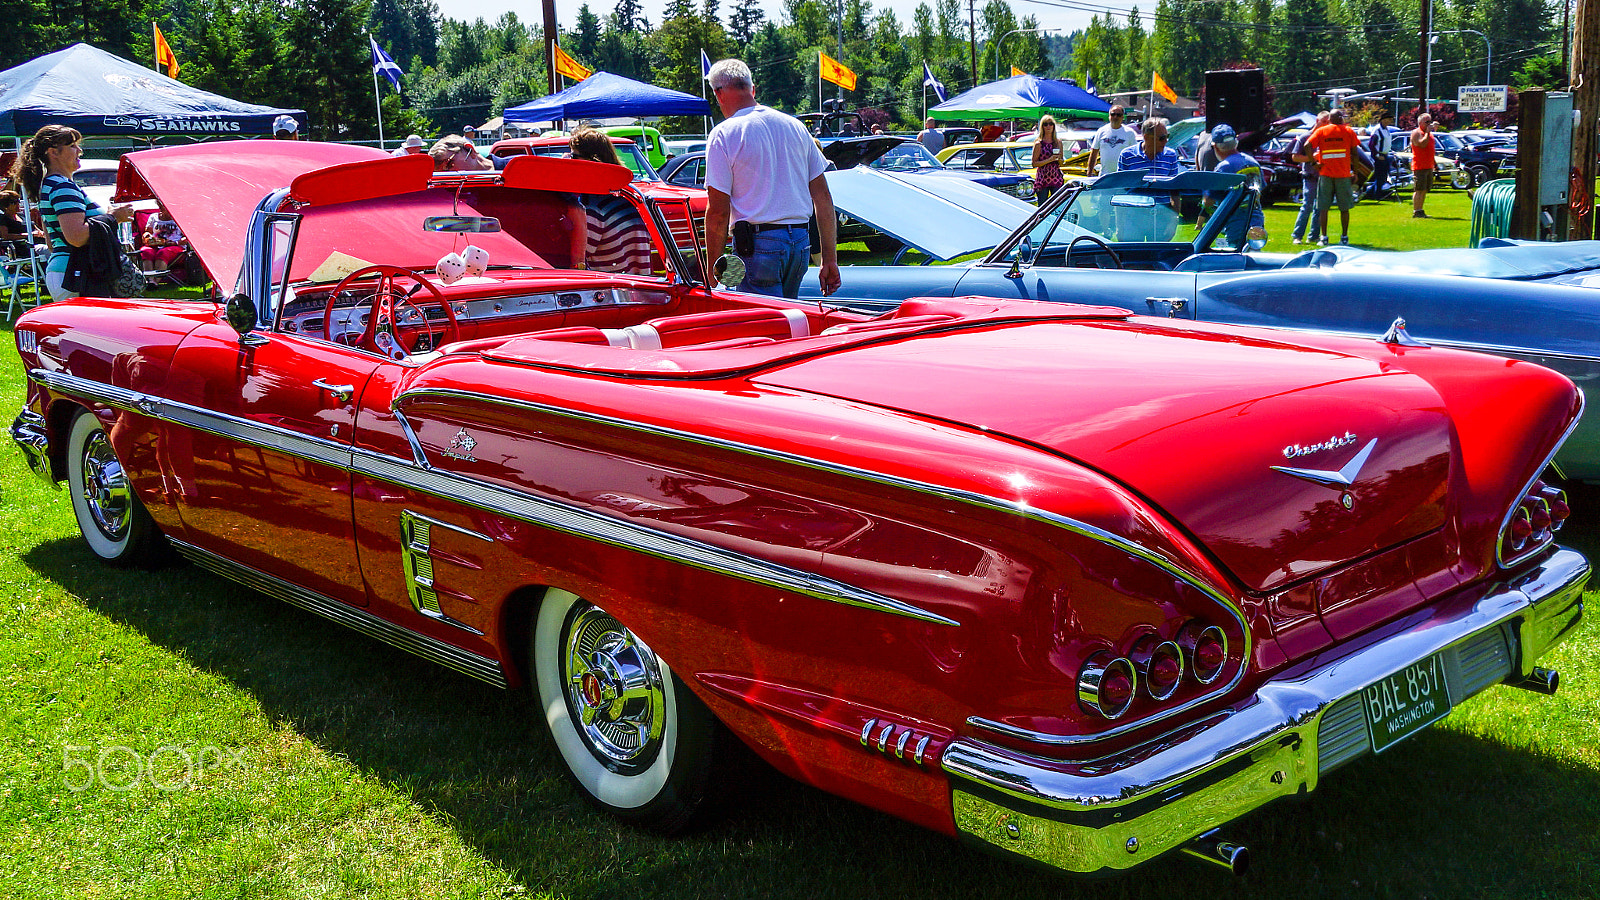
1343 478
1398 336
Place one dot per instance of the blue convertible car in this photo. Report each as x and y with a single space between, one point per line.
1155 246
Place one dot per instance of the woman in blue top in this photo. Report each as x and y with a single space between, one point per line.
45 167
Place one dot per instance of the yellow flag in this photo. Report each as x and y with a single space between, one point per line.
1016 71
830 69
164 56
1160 87
568 67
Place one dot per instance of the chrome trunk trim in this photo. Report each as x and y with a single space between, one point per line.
432 649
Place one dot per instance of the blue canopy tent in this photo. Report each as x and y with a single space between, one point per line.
99 93
604 95
1022 97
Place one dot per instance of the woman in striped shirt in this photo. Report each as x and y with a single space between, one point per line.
618 241
45 168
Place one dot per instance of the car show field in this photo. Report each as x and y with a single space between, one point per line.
700 536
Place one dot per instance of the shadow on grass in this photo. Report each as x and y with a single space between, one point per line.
1447 814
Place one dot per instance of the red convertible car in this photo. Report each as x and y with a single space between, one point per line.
1077 584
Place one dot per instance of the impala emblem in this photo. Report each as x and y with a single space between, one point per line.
461 447
1342 478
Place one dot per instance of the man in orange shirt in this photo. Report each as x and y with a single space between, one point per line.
1422 163
1334 145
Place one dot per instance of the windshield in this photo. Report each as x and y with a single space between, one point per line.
629 153
1124 208
905 157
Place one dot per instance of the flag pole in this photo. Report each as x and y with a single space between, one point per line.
377 100
154 51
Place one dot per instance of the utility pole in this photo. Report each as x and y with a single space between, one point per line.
550 41
840 93
1426 69
1585 78
972 37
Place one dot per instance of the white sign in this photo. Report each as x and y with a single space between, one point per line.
1481 98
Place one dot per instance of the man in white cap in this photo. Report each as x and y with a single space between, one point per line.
285 128
412 147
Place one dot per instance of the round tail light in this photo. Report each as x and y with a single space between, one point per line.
1106 685
1207 650
1161 665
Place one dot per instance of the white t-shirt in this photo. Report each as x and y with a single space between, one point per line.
764 161
1111 142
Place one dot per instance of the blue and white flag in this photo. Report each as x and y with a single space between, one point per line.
383 65
1088 84
705 65
929 81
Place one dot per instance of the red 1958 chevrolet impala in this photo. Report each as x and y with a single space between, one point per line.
1072 583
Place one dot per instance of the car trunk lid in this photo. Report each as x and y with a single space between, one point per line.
1283 461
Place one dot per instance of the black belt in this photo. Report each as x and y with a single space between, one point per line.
774 226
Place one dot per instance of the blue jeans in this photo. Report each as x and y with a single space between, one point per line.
780 261
1308 208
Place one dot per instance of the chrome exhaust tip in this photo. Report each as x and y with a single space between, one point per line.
1540 681
1213 849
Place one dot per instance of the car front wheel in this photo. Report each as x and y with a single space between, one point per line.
113 522
1461 179
636 740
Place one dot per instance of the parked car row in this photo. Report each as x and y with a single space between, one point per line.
1082 581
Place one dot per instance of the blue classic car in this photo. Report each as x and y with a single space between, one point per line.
1154 246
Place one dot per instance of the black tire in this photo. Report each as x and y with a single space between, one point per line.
1461 179
114 524
880 243
636 741
1480 175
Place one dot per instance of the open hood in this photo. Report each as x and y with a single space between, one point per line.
942 217
212 190
1337 457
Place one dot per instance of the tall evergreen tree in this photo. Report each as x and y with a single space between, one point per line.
329 65
745 22
586 37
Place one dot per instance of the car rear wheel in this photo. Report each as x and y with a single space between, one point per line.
113 522
1480 175
636 740
1461 179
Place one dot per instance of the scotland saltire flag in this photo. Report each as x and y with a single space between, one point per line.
705 64
929 81
383 65
1088 84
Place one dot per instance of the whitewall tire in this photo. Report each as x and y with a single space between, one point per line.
113 522
636 741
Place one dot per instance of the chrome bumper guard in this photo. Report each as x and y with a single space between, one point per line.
33 439
1055 813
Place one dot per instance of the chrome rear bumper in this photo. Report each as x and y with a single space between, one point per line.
1109 815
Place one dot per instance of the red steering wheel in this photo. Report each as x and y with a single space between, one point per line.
387 299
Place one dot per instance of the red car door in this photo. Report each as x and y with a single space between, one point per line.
260 461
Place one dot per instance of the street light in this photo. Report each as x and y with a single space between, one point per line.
1003 40
1398 75
1488 53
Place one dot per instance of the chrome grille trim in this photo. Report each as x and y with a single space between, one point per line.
432 649
1341 735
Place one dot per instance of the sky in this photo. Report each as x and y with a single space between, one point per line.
1050 13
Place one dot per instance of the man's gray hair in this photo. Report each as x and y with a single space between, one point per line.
729 72
1151 124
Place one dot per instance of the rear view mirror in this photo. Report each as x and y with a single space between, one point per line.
461 224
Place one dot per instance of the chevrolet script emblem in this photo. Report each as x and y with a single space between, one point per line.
1343 478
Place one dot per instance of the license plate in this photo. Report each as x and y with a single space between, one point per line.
1406 702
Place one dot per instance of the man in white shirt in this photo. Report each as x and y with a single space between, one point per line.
1109 141
930 137
764 174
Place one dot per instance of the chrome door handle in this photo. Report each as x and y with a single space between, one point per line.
339 391
1174 305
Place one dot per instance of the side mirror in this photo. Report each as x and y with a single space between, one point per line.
240 311
729 270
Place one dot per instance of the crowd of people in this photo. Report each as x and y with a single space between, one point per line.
765 188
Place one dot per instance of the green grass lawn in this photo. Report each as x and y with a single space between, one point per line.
1384 224
172 735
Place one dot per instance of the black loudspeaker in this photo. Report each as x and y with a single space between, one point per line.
1236 97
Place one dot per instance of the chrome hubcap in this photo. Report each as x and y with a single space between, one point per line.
105 488
614 687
